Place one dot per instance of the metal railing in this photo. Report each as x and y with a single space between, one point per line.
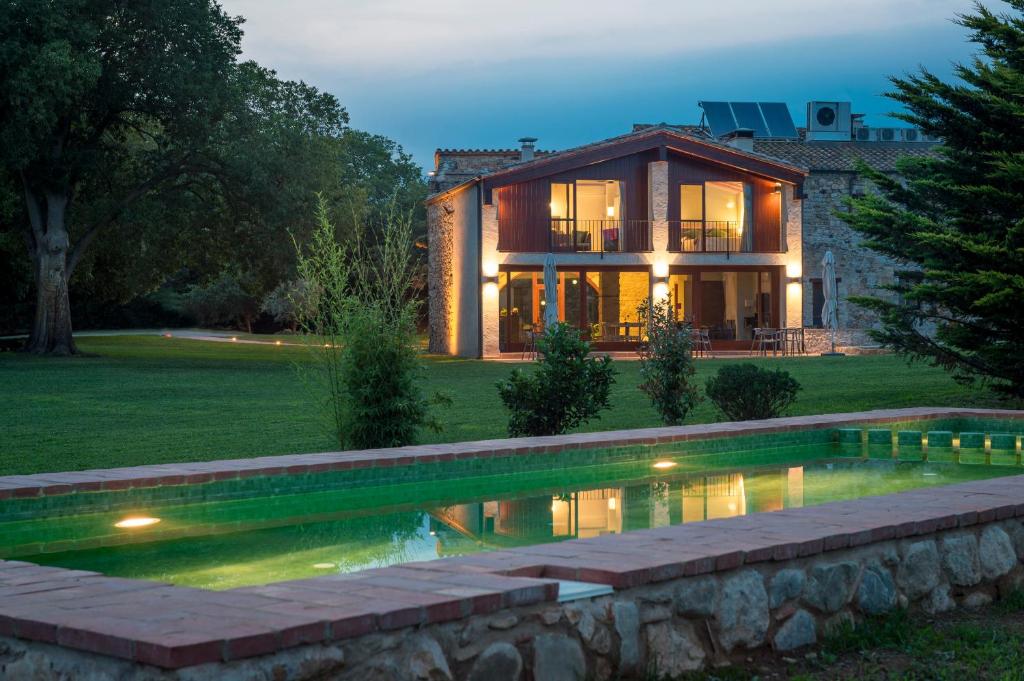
600 236
711 236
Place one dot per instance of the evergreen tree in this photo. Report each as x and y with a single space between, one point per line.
956 220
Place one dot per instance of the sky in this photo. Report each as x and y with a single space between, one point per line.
481 74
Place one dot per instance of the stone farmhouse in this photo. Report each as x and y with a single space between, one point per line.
730 218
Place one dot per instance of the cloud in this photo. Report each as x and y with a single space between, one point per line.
369 38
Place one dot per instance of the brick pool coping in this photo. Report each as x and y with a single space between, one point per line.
111 479
173 627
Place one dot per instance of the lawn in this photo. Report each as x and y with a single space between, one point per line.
143 399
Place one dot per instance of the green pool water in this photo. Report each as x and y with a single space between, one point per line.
266 534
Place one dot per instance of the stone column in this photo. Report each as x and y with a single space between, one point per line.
489 265
657 206
793 212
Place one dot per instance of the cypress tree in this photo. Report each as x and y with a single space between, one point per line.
955 220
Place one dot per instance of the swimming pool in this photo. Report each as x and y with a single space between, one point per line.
264 529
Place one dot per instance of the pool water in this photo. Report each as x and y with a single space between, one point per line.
263 538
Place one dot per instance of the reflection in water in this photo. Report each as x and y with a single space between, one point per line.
265 539
595 512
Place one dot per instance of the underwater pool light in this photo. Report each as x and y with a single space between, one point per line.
136 521
662 465
323 566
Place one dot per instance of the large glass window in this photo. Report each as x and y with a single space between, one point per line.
586 215
614 316
713 217
601 303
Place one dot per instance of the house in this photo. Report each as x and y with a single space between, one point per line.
715 217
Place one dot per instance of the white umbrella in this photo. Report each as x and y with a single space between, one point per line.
550 292
830 310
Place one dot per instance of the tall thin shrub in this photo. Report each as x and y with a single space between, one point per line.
358 316
666 362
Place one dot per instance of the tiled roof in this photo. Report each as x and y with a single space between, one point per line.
841 156
679 131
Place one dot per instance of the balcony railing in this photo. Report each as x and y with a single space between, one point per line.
711 236
600 236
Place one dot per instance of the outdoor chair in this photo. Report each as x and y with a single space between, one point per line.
765 340
702 342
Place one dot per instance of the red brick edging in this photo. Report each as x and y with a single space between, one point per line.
173 627
42 484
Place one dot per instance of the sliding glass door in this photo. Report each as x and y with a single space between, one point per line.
601 302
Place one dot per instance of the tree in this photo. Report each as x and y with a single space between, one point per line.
666 362
88 84
956 220
358 316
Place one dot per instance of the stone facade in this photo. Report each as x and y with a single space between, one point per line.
440 279
672 627
859 271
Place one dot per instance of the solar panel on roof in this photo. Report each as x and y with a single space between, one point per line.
767 119
719 117
780 123
748 115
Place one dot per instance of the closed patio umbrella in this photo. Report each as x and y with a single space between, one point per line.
830 310
550 292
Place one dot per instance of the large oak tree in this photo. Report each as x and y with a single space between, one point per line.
138 144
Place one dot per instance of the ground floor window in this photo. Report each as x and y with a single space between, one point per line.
729 303
601 302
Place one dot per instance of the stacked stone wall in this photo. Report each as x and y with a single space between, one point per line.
860 271
673 627
440 278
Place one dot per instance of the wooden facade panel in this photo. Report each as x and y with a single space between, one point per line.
524 213
767 215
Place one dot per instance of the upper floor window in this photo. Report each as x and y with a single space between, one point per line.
716 217
587 215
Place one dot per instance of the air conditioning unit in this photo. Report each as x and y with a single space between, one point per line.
925 137
889 134
911 135
829 121
864 134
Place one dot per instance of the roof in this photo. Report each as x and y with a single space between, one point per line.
670 137
841 156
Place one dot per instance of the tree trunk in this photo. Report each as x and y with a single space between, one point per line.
51 330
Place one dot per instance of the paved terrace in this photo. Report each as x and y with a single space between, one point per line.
174 627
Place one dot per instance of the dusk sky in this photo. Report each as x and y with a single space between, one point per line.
471 73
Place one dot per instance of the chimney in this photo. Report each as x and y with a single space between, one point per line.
526 151
740 138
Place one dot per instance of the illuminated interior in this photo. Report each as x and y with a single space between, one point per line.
586 215
602 303
713 216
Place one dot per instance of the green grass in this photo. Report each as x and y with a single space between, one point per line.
142 399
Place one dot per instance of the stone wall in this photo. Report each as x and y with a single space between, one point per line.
440 234
674 626
860 270
849 341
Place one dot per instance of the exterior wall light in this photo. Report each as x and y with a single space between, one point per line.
794 271
489 279
660 270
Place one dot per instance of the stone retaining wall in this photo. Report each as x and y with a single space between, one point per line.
685 596
796 578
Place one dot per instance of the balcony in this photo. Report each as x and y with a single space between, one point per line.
613 235
711 236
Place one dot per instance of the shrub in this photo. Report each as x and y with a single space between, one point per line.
745 391
286 302
567 388
358 316
222 302
666 363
